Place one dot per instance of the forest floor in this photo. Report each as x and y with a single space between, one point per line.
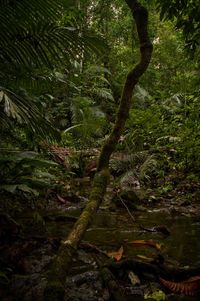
31 237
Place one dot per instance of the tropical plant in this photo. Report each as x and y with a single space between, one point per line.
24 172
36 38
135 169
87 107
187 17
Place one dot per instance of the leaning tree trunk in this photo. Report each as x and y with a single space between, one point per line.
54 290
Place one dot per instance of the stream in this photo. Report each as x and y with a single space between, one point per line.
182 246
113 229
109 231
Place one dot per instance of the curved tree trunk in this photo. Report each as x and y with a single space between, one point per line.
61 263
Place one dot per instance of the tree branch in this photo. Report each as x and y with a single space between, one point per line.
57 274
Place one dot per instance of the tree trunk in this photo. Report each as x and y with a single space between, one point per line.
54 290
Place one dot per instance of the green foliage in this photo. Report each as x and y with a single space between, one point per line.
24 173
56 74
187 16
157 295
34 35
3 278
148 169
86 108
37 37
26 113
170 130
135 168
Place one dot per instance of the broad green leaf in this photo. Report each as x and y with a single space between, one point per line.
157 295
27 189
9 188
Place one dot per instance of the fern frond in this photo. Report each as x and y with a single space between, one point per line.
128 162
103 93
129 180
148 168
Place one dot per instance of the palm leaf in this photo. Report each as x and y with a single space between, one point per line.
24 112
34 37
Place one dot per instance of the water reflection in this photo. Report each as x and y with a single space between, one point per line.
183 245
110 230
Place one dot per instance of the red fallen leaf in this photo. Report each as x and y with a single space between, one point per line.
118 254
60 199
189 287
149 243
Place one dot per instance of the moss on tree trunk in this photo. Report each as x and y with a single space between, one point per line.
61 263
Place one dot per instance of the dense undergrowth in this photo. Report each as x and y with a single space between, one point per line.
58 100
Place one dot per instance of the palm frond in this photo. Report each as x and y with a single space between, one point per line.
26 10
20 172
36 35
24 113
40 45
32 32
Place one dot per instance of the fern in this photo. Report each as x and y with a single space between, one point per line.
129 180
102 93
129 161
21 172
148 168
135 168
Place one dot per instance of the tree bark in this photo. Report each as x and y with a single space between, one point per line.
54 290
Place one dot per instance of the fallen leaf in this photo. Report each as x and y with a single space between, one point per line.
144 257
61 199
189 287
133 278
117 255
149 243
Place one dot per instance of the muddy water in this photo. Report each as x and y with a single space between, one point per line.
182 246
110 230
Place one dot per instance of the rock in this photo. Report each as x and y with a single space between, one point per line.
85 287
27 288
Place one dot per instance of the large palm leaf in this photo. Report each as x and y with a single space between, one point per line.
35 33
25 113
33 37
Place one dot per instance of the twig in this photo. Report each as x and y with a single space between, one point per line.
131 215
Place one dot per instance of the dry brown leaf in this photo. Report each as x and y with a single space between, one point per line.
118 254
189 287
149 243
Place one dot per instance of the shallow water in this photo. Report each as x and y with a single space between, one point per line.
110 230
181 246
